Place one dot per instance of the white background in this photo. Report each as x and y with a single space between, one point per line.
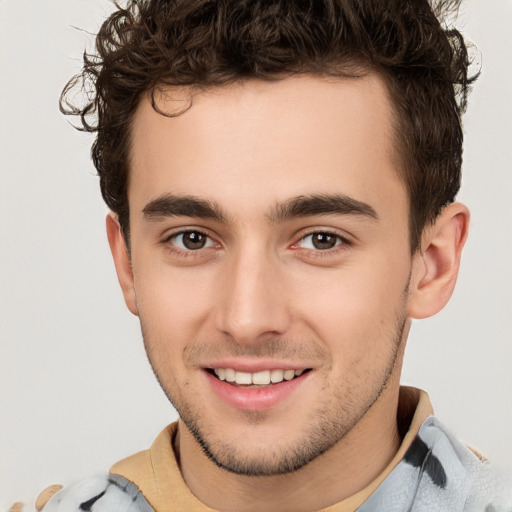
76 392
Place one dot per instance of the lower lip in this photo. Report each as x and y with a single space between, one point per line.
255 399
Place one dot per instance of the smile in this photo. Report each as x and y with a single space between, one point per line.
257 391
261 378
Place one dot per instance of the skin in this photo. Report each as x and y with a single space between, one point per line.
260 292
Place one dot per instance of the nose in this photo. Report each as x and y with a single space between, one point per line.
252 304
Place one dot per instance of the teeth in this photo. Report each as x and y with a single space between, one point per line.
276 376
221 373
289 374
263 378
243 378
230 375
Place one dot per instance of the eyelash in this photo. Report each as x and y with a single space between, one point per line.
342 244
182 253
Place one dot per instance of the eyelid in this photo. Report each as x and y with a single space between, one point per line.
168 236
342 235
345 242
339 240
345 239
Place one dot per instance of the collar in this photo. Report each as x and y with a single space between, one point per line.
157 474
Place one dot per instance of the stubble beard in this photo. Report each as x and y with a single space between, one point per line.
325 428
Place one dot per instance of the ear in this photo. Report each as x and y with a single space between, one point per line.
436 264
122 261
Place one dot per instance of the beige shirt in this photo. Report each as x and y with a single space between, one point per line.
157 474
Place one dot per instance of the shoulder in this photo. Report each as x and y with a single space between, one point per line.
491 487
108 493
440 474
465 473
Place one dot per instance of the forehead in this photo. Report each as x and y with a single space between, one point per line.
266 141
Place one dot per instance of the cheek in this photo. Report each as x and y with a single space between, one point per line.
173 303
358 308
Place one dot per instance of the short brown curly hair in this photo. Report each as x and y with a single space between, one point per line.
205 43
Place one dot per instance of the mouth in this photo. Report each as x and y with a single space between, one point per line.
261 379
260 390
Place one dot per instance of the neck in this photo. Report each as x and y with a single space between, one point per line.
346 468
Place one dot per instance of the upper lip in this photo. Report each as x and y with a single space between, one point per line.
255 366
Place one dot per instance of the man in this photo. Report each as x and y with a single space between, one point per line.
282 181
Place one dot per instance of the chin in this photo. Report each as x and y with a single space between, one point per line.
250 453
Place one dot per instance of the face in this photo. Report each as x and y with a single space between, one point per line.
271 262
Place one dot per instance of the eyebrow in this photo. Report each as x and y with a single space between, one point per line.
170 205
321 204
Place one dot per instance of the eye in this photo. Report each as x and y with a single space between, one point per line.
320 241
191 240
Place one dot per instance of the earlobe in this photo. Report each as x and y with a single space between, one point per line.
122 261
436 265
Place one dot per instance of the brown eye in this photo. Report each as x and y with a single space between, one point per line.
320 241
191 241
324 241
